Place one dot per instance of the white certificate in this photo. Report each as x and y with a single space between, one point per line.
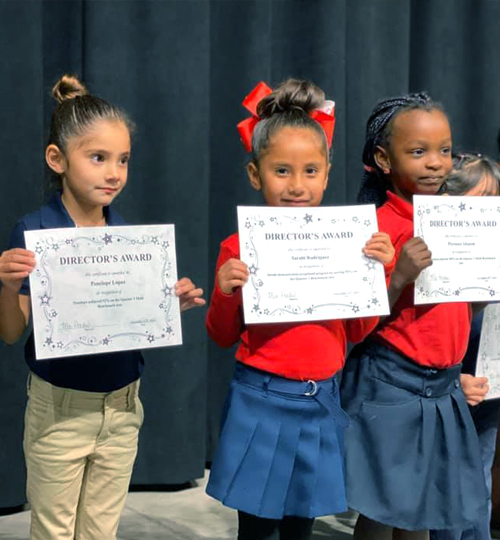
103 289
462 234
306 264
488 356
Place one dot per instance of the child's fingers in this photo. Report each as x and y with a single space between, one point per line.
377 249
14 276
237 274
228 286
377 242
188 303
17 263
192 293
475 399
19 251
19 255
15 266
234 264
473 402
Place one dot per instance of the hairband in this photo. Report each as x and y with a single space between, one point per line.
324 115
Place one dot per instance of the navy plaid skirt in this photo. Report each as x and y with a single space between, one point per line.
281 450
412 453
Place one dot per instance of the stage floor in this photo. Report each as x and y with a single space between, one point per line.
181 515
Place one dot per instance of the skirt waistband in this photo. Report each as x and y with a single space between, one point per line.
391 367
325 392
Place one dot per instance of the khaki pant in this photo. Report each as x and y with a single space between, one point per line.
80 448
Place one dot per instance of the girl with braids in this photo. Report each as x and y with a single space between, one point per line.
412 455
83 415
280 459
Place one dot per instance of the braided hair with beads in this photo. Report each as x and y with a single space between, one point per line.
375 182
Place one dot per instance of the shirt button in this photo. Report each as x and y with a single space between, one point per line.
428 392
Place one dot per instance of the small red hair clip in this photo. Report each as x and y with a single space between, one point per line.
325 116
246 127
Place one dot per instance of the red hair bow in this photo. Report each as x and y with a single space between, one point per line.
325 116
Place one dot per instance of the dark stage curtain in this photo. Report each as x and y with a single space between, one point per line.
181 69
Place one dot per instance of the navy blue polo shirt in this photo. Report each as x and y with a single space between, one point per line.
94 372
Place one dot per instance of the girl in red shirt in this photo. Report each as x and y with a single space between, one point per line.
280 460
412 456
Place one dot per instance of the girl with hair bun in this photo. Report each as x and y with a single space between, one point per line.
83 414
280 459
412 455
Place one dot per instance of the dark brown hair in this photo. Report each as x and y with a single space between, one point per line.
290 104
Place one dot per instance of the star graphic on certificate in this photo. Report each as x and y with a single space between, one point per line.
151 338
107 239
165 244
39 249
59 344
167 291
308 218
367 222
105 341
370 265
256 307
253 269
169 330
48 341
45 299
55 246
462 206
309 310
355 308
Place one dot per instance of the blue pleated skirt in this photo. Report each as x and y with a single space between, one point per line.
412 453
281 450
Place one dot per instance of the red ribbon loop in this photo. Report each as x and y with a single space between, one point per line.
327 122
247 126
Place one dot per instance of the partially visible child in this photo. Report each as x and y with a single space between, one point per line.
480 176
84 413
412 455
280 459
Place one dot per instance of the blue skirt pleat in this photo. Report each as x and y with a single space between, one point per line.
412 453
279 453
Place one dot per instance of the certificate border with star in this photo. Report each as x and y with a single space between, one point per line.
429 288
46 307
361 219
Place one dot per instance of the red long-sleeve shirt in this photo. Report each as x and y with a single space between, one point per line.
434 335
302 351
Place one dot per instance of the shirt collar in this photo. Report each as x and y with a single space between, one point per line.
399 205
54 215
